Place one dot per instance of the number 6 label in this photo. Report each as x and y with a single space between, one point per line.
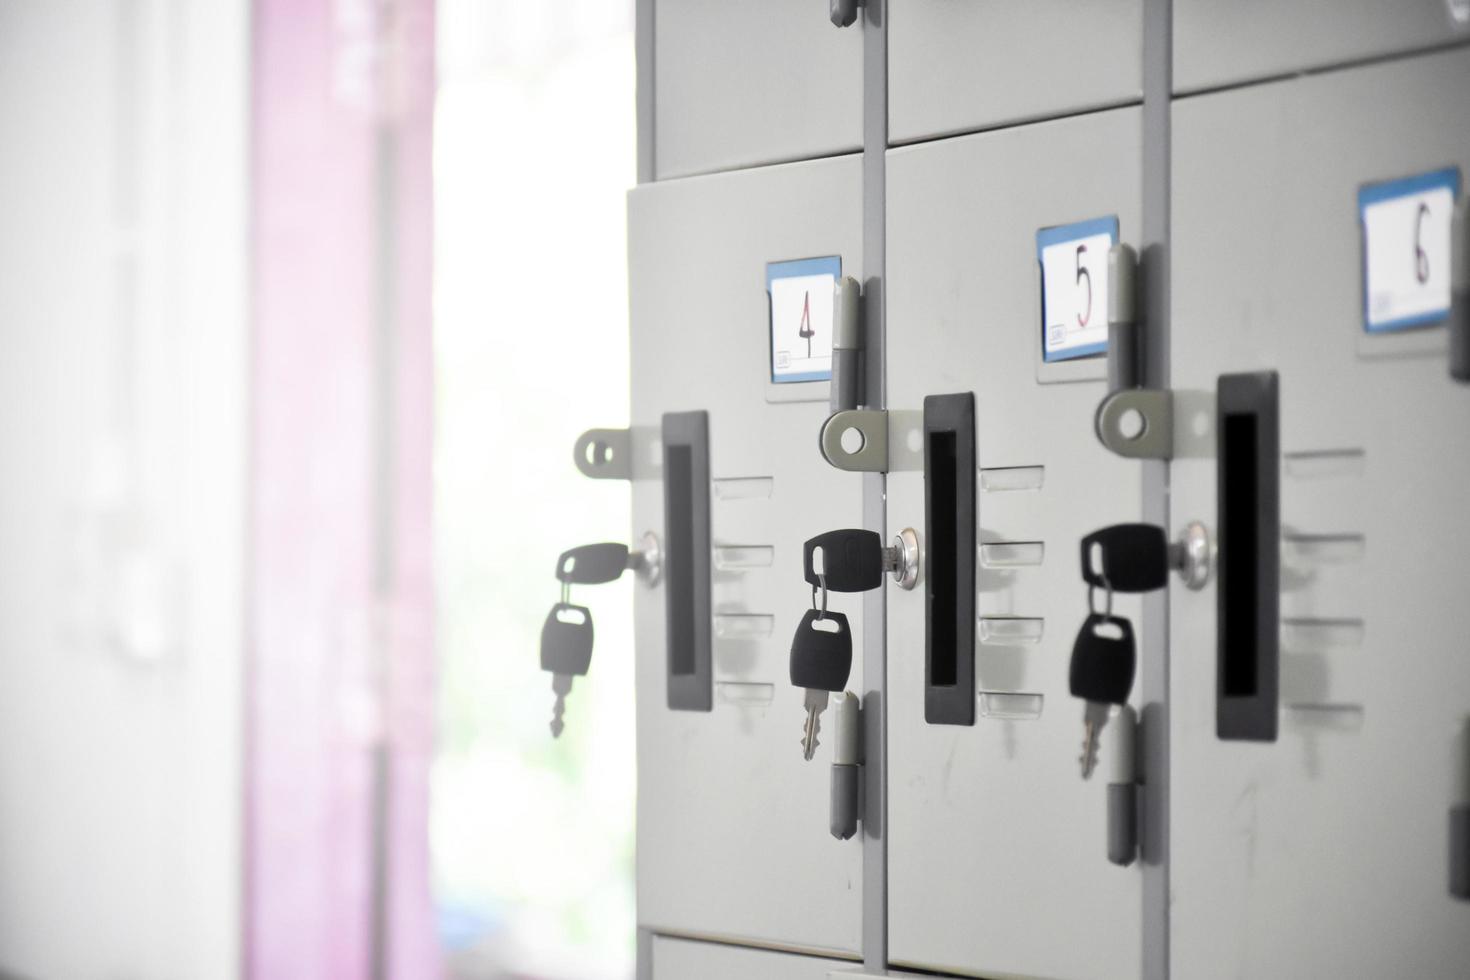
1406 250
1074 287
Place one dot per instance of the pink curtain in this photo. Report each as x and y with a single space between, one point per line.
340 675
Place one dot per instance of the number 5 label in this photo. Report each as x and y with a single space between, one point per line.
1406 250
1074 287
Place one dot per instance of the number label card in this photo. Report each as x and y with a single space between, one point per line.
1406 250
800 295
1074 287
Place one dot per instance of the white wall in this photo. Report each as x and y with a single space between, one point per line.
123 370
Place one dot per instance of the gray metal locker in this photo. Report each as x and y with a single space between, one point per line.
684 959
997 858
755 82
1217 44
733 838
963 65
1323 852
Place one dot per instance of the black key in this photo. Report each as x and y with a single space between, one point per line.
1135 558
852 560
566 640
592 564
1104 658
821 659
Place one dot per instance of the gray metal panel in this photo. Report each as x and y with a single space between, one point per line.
1322 854
685 959
1218 44
733 835
1153 672
643 51
875 652
753 82
960 65
996 845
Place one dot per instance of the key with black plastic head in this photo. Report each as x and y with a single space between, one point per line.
845 560
1104 659
1126 558
592 564
821 659
566 651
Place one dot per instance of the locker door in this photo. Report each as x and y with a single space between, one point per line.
1219 44
976 64
733 837
997 860
755 82
1323 853
683 959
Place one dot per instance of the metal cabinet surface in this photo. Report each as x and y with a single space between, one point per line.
749 83
733 837
684 959
996 846
1323 853
1217 44
963 65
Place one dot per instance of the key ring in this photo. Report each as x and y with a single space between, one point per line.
1108 614
822 614
566 594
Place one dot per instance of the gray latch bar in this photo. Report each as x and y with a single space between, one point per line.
847 346
1460 292
1125 344
871 426
1137 423
605 454
845 806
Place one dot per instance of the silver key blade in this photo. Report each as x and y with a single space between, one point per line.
561 686
1094 717
816 703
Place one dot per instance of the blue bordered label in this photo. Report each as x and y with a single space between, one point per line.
1074 287
800 294
1406 250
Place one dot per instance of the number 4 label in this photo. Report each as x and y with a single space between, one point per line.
1406 250
1074 287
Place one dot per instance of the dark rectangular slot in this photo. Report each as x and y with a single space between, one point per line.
678 485
1238 590
949 536
941 454
1249 537
687 553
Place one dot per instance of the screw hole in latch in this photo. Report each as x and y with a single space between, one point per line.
852 441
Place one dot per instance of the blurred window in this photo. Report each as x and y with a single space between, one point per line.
534 150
